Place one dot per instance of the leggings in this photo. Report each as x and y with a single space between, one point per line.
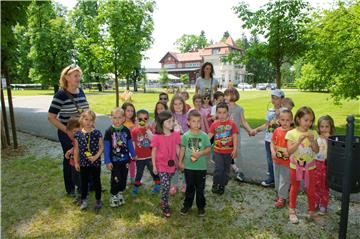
165 179
322 189
94 173
132 169
310 191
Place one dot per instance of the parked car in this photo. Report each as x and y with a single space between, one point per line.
272 86
244 86
261 86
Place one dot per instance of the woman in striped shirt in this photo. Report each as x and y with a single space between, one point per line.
68 102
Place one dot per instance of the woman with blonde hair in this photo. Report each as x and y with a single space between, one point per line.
69 101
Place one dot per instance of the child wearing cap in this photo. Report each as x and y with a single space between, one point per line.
269 126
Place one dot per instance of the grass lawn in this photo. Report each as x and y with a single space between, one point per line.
34 206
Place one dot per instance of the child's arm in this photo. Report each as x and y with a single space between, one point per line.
272 149
178 150
293 145
204 152
235 143
210 135
76 156
246 125
262 127
69 152
107 160
153 155
181 158
131 148
99 152
314 145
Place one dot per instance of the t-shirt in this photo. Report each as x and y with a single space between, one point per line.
165 150
204 86
129 124
142 142
273 124
304 154
280 146
88 143
118 146
197 142
322 155
182 121
223 135
235 114
65 108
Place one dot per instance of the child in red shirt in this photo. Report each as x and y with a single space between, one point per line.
225 141
280 158
141 136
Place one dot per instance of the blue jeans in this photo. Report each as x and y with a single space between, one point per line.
269 163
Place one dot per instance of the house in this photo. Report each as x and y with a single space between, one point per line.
190 63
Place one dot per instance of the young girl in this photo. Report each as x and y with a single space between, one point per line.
165 150
129 111
178 109
302 147
236 114
87 155
197 101
206 109
159 107
325 128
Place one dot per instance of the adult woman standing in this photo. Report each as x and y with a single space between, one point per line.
68 102
206 84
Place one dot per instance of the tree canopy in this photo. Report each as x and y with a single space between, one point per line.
191 42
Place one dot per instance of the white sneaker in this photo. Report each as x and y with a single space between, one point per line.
83 204
120 198
114 202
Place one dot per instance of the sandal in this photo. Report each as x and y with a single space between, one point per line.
292 216
314 216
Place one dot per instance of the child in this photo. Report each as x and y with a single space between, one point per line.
197 101
163 98
185 95
129 111
165 149
159 107
302 147
287 103
236 114
325 128
269 127
218 97
225 141
73 126
280 158
206 109
87 154
141 135
195 146
119 150
178 109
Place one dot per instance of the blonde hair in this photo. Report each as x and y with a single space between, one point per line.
67 71
89 113
117 110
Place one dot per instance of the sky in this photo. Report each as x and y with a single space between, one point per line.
173 18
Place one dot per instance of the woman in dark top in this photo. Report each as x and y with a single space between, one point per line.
68 102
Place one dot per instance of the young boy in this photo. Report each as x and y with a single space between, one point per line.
141 136
280 158
118 151
225 141
195 146
163 98
218 97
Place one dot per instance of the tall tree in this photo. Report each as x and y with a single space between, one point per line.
282 24
191 42
21 61
129 27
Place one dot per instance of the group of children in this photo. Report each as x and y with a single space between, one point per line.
177 145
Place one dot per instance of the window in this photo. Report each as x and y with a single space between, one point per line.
215 51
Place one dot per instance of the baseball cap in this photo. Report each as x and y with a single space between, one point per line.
278 93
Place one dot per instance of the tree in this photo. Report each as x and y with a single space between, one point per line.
164 77
188 43
21 59
334 53
225 36
129 26
184 79
282 24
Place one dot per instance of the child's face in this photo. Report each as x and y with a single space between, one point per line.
276 101
184 96
285 120
160 108
222 113
287 106
87 122
306 121
169 124
178 106
197 103
227 98
206 100
325 128
129 112
117 119
220 99
142 118
163 99
194 122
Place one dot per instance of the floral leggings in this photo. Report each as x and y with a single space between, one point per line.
165 179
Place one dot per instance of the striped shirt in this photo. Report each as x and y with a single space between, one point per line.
65 108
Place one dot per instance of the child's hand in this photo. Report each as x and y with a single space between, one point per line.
181 166
92 158
311 138
68 153
252 132
77 166
301 138
234 153
155 171
135 158
196 154
273 154
109 166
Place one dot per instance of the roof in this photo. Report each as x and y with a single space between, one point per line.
189 56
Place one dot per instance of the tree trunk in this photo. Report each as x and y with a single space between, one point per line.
135 84
11 109
127 83
278 76
117 89
4 118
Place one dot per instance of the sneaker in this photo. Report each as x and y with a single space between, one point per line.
156 188
240 176
268 173
120 198
280 203
201 212
267 183
83 204
135 191
98 204
77 201
184 211
314 216
183 189
221 190
114 202
173 190
292 216
215 188
322 211
132 181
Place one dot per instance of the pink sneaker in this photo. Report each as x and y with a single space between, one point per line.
183 189
173 190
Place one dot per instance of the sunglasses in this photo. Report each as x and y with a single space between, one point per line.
206 98
70 67
143 119
163 98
